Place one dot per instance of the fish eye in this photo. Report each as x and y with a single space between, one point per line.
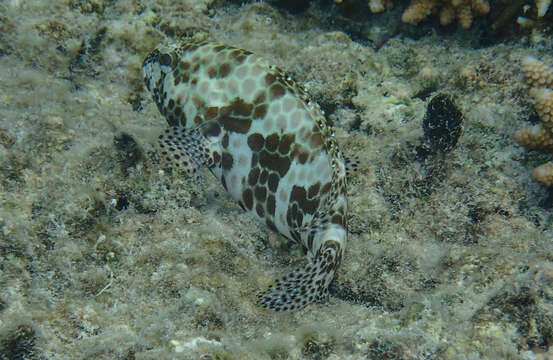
165 59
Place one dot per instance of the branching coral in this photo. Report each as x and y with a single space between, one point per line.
449 10
462 10
539 136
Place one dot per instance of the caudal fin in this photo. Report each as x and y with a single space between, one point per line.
301 287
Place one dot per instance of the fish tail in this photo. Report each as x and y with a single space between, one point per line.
302 286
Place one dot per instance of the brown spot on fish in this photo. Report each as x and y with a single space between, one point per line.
227 161
260 111
276 91
240 107
235 124
256 141
224 70
247 196
271 142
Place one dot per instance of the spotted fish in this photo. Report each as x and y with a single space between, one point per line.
258 132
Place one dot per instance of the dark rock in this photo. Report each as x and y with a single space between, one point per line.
128 150
20 345
442 124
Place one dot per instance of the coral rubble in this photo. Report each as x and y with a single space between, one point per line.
540 136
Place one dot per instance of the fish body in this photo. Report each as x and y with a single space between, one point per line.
258 132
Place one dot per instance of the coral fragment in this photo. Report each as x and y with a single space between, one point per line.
540 136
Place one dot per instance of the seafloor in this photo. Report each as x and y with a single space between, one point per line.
106 256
